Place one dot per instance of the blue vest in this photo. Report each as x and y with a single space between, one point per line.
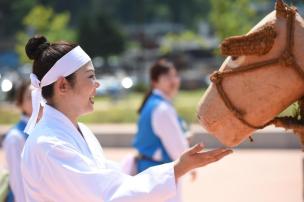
21 126
146 141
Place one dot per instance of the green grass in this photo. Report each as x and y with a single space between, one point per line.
124 110
8 114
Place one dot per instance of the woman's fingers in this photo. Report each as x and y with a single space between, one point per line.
215 152
195 149
224 153
194 158
213 156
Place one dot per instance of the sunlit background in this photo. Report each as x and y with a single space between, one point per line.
124 37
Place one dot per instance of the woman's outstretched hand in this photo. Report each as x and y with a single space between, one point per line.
195 158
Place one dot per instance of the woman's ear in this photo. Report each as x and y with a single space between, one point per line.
62 85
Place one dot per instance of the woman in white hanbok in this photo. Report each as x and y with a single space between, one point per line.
62 160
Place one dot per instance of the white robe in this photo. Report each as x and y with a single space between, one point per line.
58 164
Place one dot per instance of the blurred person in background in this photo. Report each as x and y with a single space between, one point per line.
14 142
162 134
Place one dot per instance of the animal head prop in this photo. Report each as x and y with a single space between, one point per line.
262 75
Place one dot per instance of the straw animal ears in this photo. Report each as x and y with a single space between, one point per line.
259 42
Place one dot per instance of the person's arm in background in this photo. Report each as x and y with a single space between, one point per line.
13 146
166 126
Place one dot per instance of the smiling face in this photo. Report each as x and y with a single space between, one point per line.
76 97
84 89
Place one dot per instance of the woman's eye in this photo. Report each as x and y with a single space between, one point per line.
92 76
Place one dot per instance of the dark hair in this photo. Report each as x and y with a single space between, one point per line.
159 68
20 91
45 55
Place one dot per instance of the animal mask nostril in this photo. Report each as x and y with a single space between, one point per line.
234 57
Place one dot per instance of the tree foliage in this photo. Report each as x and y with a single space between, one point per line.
11 14
232 17
174 41
100 36
43 20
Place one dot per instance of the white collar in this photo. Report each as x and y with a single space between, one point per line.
84 141
52 114
162 94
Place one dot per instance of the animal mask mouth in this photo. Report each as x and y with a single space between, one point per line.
259 42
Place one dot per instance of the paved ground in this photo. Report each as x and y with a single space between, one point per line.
249 175
245 176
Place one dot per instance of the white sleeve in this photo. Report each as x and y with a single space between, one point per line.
84 181
13 146
166 126
113 165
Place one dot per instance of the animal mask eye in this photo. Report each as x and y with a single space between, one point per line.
235 61
259 42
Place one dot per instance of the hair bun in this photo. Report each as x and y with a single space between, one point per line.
35 46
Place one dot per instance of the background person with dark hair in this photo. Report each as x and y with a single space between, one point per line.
14 142
161 136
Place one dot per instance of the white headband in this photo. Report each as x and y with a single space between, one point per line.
64 67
